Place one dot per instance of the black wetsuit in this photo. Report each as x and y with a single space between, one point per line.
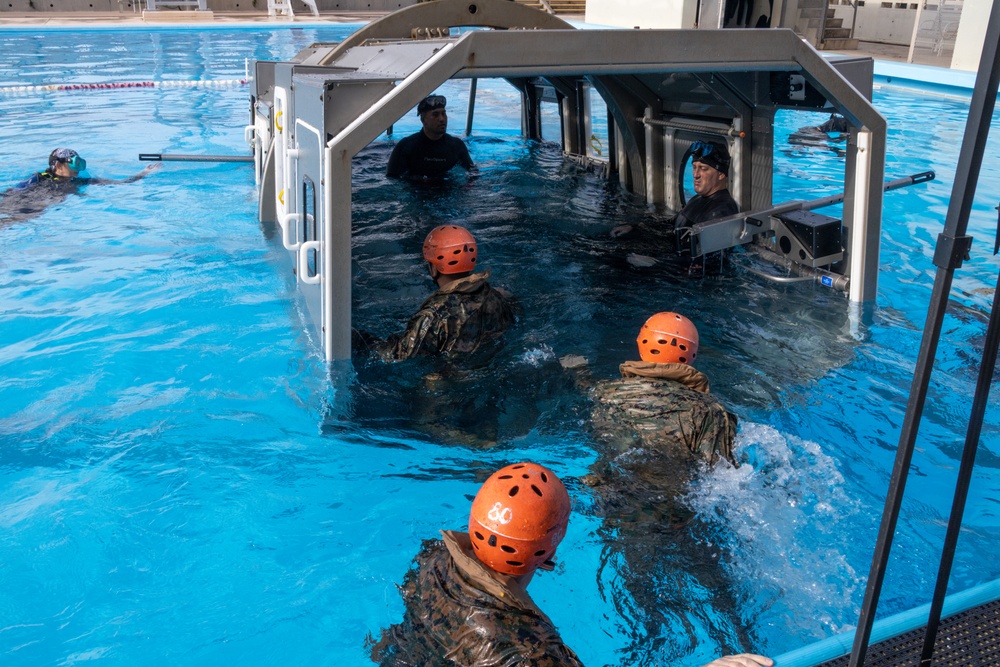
31 197
417 157
718 205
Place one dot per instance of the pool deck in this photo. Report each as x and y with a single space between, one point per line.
173 18
929 73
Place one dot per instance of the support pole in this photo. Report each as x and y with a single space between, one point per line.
952 248
986 368
472 108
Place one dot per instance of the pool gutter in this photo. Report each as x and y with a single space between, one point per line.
924 78
838 646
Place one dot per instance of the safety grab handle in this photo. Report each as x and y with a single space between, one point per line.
304 249
286 222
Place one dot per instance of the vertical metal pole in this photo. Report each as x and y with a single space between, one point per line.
951 249
821 37
472 108
916 29
982 395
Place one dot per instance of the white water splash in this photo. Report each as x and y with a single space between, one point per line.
784 516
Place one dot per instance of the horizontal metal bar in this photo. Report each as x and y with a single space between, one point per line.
179 157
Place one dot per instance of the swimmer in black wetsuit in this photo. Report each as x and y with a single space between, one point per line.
429 154
710 163
31 197
829 135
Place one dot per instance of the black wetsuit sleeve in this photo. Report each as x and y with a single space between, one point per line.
464 158
398 159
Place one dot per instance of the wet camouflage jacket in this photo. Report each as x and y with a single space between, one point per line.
460 317
459 612
666 409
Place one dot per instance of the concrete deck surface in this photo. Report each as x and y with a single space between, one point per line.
138 18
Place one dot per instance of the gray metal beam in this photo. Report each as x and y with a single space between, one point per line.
448 14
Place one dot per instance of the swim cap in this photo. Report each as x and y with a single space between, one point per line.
518 518
430 103
711 153
70 157
451 249
836 123
668 338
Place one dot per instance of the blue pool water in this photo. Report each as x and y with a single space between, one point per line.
182 482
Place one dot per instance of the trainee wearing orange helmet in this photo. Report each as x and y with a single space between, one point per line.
668 338
518 518
450 249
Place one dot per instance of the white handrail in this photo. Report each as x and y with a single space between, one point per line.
304 276
285 221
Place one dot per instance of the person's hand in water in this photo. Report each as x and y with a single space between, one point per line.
640 261
741 660
620 230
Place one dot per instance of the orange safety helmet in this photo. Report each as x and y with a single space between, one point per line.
518 518
668 338
451 249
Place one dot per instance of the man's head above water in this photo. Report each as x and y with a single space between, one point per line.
433 116
710 163
66 163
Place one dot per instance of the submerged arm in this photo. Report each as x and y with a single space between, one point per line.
131 179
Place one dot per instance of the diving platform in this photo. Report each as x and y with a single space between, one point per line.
664 91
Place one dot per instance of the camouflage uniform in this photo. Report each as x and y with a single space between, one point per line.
459 317
460 612
653 428
667 408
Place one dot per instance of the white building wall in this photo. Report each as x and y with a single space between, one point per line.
642 13
885 25
971 35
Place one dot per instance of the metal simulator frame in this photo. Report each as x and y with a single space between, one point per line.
664 91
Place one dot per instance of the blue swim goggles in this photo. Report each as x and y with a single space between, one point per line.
702 148
76 163
69 157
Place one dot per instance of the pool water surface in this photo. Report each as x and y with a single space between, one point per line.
184 480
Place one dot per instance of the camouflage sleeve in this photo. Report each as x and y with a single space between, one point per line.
421 334
716 435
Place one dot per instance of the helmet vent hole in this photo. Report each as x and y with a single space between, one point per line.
673 342
662 341
536 490
515 563
518 467
683 360
479 536
654 351
505 477
492 541
513 491
545 478
539 553
508 549
683 347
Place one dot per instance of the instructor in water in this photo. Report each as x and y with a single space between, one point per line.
428 155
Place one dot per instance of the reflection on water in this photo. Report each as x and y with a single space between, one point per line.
181 475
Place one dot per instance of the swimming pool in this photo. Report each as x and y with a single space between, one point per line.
180 481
